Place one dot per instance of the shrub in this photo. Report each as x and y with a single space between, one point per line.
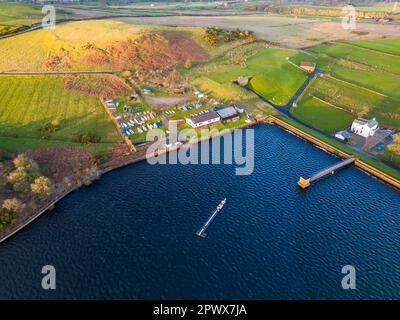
42 187
12 205
26 170
88 138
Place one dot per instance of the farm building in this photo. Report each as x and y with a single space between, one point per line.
203 119
364 128
308 66
242 81
228 114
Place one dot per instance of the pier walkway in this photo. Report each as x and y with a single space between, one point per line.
201 232
305 182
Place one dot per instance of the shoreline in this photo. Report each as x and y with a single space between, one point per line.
140 156
108 167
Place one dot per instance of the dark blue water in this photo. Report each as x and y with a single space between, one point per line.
132 233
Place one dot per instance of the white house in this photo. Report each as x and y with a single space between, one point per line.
203 119
364 128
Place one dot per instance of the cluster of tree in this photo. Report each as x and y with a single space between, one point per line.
213 35
9 212
86 138
26 178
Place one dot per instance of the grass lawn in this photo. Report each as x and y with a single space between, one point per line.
224 92
229 125
374 59
388 84
391 46
30 102
275 78
322 116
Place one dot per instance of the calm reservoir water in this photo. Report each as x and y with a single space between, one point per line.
132 233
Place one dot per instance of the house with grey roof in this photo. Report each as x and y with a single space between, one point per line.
364 128
228 114
204 119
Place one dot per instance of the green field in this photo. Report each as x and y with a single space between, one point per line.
273 76
367 68
375 60
30 102
15 15
361 81
322 116
391 46
358 102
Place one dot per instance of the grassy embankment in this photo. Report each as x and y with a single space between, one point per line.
30 102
